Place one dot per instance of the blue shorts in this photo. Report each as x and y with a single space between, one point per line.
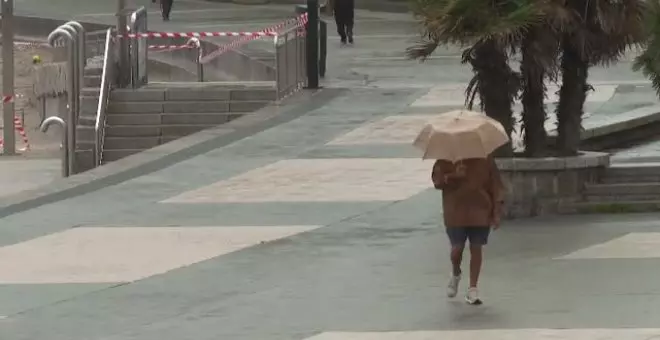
478 236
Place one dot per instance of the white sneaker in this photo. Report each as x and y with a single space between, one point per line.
472 297
452 288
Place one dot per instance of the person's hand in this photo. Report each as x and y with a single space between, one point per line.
459 170
496 222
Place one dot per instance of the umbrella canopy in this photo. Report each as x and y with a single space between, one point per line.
458 135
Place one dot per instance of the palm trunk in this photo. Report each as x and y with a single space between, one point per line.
533 96
572 95
497 87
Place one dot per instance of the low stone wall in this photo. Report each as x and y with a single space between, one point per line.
540 186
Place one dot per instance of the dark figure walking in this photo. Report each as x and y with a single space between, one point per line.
344 11
166 8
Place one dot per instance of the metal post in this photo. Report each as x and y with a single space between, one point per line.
80 69
76 75
124 68
71 83
65 141
8 133
313 44
200 66
323 47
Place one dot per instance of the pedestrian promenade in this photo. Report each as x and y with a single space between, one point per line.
302 231
323 226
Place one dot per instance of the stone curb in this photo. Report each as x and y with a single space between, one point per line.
628 120
586 159
168 154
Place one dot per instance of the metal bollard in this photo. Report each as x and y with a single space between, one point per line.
323 47
198 59
71 86
66 170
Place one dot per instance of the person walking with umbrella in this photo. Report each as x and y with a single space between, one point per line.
472 189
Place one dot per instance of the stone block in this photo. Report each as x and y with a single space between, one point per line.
182 94
246 106
568 183
133 119
197 107
254 94
132 131
195 118
140 95
134 107
121 143
542 186
181 130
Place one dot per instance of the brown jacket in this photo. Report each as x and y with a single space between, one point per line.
472 199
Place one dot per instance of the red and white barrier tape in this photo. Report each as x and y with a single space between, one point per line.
162 48
18 125
196 34
262 33
10 99
299 21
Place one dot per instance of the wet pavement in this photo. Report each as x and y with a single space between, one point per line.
323 227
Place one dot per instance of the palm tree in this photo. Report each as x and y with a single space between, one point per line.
600 33
539 50
486 29
649 60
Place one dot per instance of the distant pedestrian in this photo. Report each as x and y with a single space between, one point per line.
344 11
472 199
166 8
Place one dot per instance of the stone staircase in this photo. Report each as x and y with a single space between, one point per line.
143 118
623 188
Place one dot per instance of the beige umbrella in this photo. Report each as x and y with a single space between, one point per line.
458 135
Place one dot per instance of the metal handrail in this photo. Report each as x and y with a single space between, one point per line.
45 125
71 120
290 61
104 94
138 22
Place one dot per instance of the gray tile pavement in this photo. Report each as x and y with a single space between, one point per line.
373 266
370 266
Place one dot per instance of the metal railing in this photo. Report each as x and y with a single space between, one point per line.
138 48
107 79
72 35
290 61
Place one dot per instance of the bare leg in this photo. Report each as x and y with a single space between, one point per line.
476 258
456 259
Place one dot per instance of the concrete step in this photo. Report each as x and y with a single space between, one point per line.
632 173
93 71
89 104
87 120
623 189
171 130
82 145
84 160
611 207
130 143
257 93
113 155
116 119
215 106
85 133
90 91
92 81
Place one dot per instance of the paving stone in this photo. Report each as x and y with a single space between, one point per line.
305 180
106 255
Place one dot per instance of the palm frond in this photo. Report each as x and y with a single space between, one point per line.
648 62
